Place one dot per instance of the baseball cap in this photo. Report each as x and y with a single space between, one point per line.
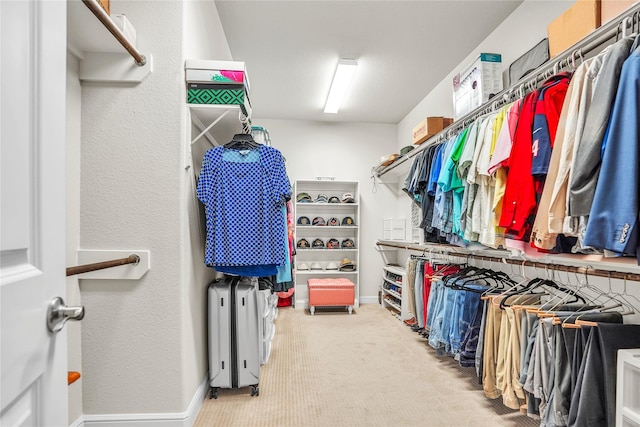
322 198
304 220
333 221
303 266
303 244
318 243
347 220
348 243
332 266
316 266
406 149
303 198
319 221
347 198
333 244
334 199
347 265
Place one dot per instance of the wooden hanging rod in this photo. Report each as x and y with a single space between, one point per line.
106 20
505 259
131 259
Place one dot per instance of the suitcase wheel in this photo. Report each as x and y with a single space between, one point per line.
213 393
255 390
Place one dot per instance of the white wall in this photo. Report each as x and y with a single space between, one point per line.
345 151
74 329
203 35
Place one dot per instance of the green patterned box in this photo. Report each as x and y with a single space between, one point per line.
199 93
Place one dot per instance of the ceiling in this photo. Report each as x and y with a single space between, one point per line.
404 49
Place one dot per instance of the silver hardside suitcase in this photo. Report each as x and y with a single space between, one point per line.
234 335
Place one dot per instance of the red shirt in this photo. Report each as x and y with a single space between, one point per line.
519 194
523 190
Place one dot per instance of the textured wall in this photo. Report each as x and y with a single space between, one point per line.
132 163
346 151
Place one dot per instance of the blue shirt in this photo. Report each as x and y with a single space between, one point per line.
613 221
243 192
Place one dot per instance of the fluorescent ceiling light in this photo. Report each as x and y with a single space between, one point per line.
341 80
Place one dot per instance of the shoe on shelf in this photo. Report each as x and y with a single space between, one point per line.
411 321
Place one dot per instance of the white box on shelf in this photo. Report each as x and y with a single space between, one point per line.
473 86
201 70
125 26
394 228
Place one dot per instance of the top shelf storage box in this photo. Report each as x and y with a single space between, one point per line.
218 82
474 86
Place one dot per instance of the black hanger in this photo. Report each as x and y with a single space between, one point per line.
535 283
242 141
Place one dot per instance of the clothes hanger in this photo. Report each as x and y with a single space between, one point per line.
564 299
242 141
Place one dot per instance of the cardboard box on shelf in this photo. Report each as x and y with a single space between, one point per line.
572 26
105 5
610 9
474 86
429 127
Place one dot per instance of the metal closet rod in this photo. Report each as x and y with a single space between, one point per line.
524 263
106 20
131 259
528 83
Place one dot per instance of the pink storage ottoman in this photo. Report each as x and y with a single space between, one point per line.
331 292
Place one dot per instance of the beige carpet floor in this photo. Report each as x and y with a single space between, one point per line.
367 369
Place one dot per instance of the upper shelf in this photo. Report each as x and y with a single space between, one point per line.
103 58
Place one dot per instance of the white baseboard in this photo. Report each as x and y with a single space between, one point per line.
369 300
184 419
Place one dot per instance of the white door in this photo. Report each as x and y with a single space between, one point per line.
33 372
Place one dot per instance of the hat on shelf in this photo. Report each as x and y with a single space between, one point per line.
405 150
304 220
322 198
303 244
387 160
347 198
316 266
347 265
348 243
333 221
332 266
319 221
347 220
303 266
333 244
304 198
334 199
318 243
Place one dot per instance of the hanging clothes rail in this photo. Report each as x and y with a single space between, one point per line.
599 38
131 259
106 20
612 274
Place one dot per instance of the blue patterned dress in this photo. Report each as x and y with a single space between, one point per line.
243 192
